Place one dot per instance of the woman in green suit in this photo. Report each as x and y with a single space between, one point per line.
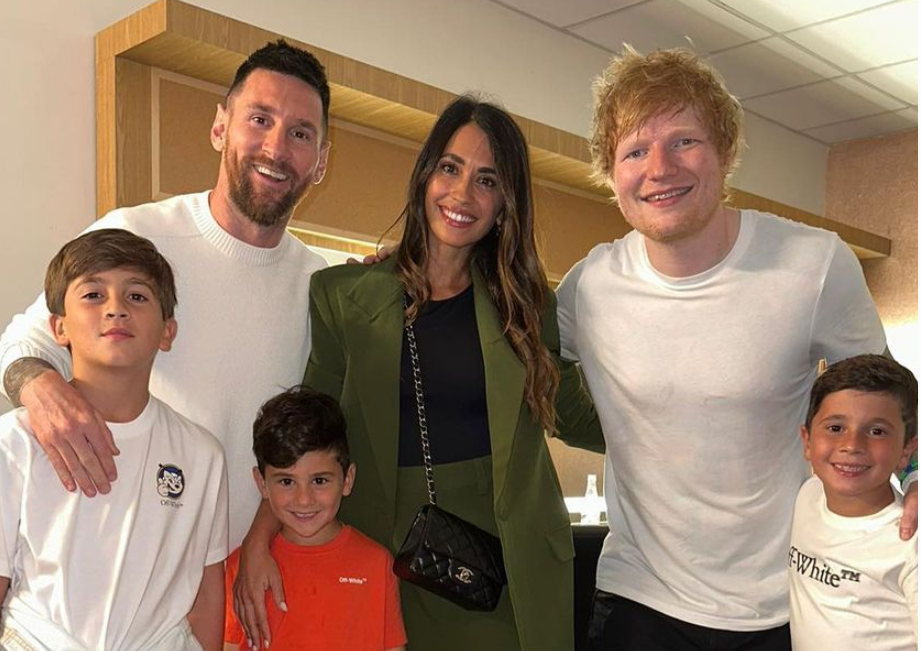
467 276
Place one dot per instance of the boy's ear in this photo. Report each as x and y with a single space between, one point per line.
219 128
349 482
56 322
804 436
260 482
170 328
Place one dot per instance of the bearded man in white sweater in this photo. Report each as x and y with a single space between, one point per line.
699 334
242 284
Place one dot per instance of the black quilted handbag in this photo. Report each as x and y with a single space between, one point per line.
442 553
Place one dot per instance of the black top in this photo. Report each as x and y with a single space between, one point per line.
453 381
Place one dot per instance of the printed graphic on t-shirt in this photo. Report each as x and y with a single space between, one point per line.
170 484
818 570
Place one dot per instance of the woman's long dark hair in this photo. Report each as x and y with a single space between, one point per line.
506 256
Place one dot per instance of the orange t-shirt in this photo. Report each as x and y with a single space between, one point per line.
342 595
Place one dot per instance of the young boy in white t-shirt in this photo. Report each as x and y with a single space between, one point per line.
141 567
853 581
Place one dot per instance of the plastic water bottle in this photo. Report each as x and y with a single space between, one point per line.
591 514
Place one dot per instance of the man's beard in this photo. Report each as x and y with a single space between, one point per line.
262 210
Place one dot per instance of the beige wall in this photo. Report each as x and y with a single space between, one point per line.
873 184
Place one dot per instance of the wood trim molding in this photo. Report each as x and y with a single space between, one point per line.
185 39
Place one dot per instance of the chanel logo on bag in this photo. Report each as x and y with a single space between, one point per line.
464 575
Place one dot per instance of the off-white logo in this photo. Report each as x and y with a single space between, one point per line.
464 575
809 566
353 580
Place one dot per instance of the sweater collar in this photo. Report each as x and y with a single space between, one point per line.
227 244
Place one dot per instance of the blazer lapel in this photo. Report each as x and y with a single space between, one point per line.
374 310
505 377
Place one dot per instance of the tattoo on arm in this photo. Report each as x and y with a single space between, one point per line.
19 373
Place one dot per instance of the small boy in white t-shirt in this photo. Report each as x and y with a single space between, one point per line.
141 567
853 581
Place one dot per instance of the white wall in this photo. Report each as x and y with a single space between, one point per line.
46 98
782 165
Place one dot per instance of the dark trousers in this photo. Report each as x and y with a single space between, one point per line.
618 624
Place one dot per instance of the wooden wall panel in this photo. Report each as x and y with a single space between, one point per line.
185 160
133 143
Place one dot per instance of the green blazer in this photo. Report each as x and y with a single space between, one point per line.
356 320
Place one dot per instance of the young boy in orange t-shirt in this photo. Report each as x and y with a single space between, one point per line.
340 588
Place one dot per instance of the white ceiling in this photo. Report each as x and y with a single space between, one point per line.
832 70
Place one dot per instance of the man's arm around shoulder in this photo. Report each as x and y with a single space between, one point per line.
72 433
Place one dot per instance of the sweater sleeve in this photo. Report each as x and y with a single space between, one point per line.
29 335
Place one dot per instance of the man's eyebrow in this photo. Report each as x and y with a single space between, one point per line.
265 108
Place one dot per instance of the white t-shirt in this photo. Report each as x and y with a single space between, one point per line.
701 384
243 329
853 581
116 571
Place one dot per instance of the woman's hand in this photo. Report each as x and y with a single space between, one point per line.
382 254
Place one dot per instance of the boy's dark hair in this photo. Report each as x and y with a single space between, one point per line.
872 374
295 422
102 250
286 59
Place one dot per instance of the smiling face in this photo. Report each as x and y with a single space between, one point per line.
273 148
113 319
462 196
668 177
855 441
306 497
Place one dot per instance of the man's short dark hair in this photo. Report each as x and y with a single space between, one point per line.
295 422
102 250
284 58
870 374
